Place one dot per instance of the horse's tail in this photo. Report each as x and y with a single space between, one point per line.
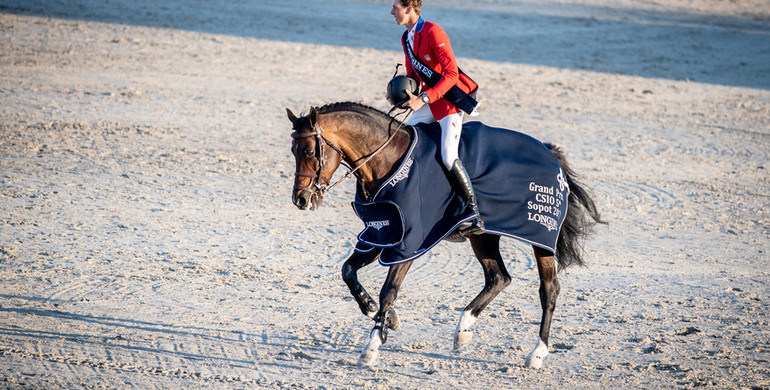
581 217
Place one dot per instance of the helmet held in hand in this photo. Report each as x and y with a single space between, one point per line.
397 88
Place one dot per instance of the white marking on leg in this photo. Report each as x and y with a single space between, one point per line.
463 335
536 357
371 351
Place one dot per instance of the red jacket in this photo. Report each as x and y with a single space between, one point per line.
432 47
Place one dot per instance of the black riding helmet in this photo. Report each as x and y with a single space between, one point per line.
397 88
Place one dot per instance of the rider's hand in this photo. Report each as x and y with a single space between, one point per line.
414 102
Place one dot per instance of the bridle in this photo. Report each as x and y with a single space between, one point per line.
318 183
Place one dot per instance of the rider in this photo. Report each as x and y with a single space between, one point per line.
427 47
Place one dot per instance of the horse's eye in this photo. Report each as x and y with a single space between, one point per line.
309 152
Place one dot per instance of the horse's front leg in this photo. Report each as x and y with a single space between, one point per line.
549 290
386 317
350 268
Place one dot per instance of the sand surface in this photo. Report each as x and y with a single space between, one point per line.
148 240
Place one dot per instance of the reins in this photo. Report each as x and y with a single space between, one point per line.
318 186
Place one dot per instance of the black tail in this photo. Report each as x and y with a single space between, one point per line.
581 217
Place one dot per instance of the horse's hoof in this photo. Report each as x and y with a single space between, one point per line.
371 351
537 356
392 321
463 335
462 339
368 358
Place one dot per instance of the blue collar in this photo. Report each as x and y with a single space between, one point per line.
419 25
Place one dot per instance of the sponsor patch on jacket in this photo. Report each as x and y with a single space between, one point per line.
427 57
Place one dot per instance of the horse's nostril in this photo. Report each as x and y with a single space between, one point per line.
300 201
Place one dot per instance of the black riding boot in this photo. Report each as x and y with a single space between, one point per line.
462 184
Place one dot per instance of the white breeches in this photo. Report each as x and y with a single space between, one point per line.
451 127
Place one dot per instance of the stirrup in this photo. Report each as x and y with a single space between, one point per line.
471 228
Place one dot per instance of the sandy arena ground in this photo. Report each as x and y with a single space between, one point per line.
148 240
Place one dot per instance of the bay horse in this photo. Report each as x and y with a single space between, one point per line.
371 144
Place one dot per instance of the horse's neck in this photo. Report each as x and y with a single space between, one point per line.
359 137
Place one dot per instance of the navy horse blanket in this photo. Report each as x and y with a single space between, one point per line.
520 187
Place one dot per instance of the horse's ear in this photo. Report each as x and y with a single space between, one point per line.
292 117
313 115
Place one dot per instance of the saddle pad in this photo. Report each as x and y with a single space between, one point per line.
520 188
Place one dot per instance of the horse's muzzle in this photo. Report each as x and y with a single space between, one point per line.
305 200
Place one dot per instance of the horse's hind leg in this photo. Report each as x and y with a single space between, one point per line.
496 278
350 269
549 290
385 317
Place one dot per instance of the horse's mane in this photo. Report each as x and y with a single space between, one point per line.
359 108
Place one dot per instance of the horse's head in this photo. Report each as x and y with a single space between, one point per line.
315 166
